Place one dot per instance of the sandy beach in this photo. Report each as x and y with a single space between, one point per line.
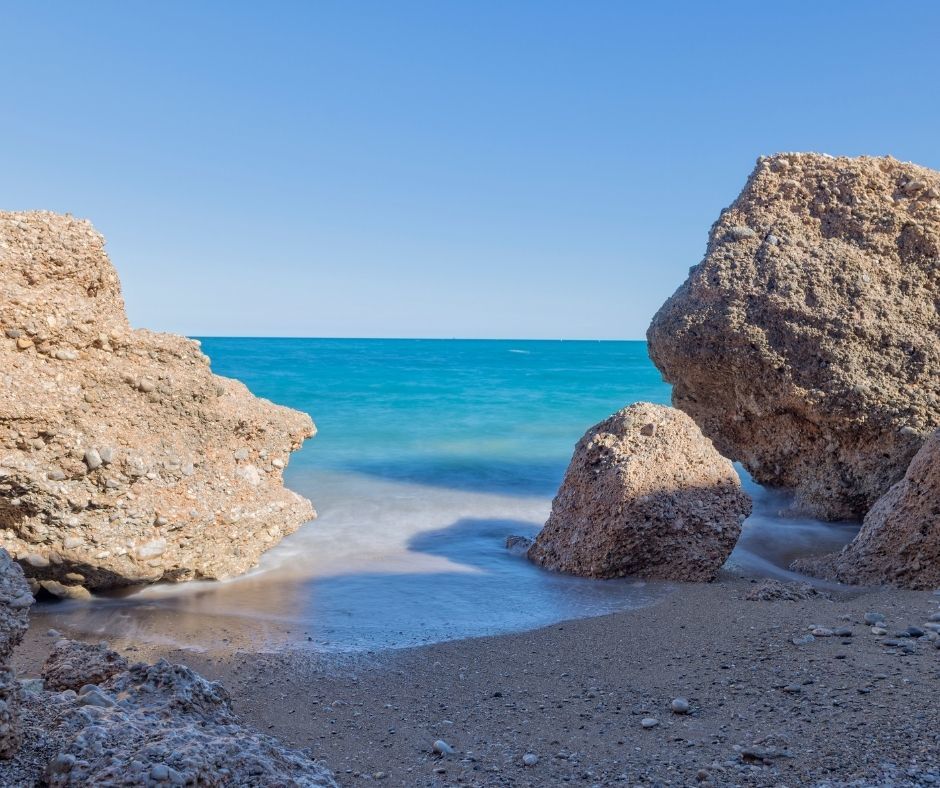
852 709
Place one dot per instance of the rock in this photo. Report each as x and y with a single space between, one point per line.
872 618
649 722
899 542
73 665
169 722
441 747
663 506
518 545
14 621
805 640
58 589
813 360
879 631
822 632
680 706
774 590
530 759
100 446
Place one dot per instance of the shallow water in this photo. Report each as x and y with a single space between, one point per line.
429 453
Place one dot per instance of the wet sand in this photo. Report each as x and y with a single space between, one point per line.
764 711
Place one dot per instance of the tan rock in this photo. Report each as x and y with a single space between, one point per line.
117 456
807 343
646 494
899 543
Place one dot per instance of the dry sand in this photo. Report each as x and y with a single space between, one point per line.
764 711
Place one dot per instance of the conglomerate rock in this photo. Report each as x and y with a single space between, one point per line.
123 459
73 664
899 543
15 600
164 724
646 494
807 343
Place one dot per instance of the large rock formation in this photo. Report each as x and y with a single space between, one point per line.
899 543
806 343
164 724
123 459
15 600
646 494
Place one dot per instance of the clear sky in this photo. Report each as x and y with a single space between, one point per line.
442 168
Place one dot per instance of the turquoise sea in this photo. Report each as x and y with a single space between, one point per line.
428 454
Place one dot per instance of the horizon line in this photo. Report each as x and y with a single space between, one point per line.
409 339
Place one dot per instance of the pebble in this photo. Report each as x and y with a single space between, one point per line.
879 631
530 759
806 639
160 771
914 632
679 706
793 689
443 748
822 632
92 459
54 633
872 619
843 632
649 722
934 618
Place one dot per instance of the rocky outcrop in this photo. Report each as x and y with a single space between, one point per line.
806 343
123 459
73 664
899 543
646 494
15 600
164 724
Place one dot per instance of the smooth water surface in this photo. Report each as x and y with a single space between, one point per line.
428 454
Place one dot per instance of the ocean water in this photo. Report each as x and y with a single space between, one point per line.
429 453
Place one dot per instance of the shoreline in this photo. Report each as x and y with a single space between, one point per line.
573 694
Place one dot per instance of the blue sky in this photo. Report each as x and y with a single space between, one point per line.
471 169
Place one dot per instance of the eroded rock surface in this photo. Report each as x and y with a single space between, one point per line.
807 343
123 459
646 494
15 600
73 664
164 724
899 543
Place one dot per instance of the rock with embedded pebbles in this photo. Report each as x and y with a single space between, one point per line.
73 665
899 543
163 722
15 600
646 494
808 348
123 459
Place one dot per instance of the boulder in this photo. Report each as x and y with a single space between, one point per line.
899 543
123 459
164 724
15 600
806 344
73 664
646 494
